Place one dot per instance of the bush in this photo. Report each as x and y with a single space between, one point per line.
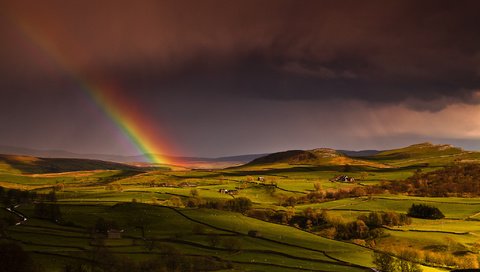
254 233
388 263
425 212
384 262
240 204
379 219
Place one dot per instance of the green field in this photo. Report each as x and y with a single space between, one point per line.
157 200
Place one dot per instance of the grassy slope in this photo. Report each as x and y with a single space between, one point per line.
318 157
165 223
85 199
425 153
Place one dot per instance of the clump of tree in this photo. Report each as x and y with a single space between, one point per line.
238 204
369 226
387 263
456 180
319 220
391 219
11 197
425 211
445 257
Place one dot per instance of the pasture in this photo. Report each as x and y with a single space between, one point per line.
151 209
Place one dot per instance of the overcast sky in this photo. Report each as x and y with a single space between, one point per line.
237 77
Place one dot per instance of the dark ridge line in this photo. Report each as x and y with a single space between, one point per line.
46 245
63 227
353 210
65 256
173 194
63 202
264 185
79 229
290 191
420 200
361 210
434 231
333 200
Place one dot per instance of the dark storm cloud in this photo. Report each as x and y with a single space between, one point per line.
425 54
265 75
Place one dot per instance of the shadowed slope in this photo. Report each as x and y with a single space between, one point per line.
34 165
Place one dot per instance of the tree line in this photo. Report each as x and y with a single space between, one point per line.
334 226
459 180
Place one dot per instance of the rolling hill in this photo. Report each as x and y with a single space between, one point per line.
318 156
423 153
186 210
238 159
426 153
36 165
421 150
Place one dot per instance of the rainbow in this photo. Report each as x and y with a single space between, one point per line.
137 127
140 130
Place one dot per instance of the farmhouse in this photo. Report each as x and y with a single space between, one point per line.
343 179
226 191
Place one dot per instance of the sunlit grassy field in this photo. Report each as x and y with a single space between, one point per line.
120 195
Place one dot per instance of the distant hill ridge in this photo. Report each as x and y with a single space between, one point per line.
318 156
119 158
367 157
421 150
36 165
421 153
